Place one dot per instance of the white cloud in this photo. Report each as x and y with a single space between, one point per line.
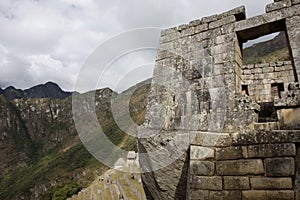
49 40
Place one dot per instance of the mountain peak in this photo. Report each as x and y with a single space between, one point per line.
50 83
10 88
47 90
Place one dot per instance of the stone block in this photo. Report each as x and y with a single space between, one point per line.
215 32
280 194
218 70
268 194
295 2
182 27
236 183
271 150
168 31
221 195
228 28
254 195
268 70
260 183
218 59
200 28
221 22
202 36
250 66
218 49
247 72
260 20
196 194
285 136
278 5
187 32
201 153
257 70
240 167
210 139
239 12
276 167
220 39
209 19
170 37
195 22
207 183
202 168
231 153
257 137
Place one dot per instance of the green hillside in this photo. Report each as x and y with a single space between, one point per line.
268 51
42 155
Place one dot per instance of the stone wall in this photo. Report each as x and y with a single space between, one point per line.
263 80
260 165
203 111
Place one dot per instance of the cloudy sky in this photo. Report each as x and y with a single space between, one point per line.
49 40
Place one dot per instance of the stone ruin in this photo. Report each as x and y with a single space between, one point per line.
202 92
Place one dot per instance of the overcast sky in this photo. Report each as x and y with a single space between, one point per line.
49 40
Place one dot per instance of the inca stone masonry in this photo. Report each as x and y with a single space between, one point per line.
241 123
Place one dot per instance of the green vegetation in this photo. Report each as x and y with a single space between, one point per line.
64 167
268 51
64 192
279 55
18 131
54 165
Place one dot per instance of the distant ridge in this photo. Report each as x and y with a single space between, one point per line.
47 90
264 52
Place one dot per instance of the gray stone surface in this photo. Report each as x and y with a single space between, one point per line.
283 136
280 194
278 5
272 150
210 139
255 137
254 195
240 167
198 194
198 114
268 194
280 167
201 168
295 2
207 183
258 183
236 183
201 153
231 153
220 195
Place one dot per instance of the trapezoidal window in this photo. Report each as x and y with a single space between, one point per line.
265 44
276 89
266 59
245 90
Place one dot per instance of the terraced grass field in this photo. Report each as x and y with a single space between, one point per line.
113 185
